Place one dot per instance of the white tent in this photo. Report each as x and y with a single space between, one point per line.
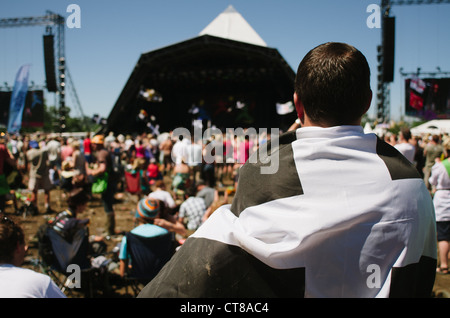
437 126
231 25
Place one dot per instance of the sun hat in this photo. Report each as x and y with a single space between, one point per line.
98 139
147 208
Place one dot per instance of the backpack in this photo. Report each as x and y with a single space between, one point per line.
44 244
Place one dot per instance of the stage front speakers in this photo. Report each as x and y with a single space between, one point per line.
49 60
388 48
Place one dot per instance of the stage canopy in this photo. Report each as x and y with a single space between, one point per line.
226 77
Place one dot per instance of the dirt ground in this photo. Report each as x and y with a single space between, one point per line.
124 211
124 222
124 207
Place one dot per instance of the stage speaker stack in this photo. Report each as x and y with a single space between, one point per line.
49 60
388 49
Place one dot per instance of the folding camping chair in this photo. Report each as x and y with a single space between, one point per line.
65 253
133 183
147 256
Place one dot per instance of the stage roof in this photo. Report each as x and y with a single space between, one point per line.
231 25
227 82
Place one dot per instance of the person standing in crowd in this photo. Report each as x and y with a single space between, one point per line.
78 163
6 158
103 164
109 140
228 156
194 159
66 148
87 147
419 159
404 146
208 173
152 172
181 179
166 149
179 150
54 157
337 213
440 183
39 177
15 281
431 151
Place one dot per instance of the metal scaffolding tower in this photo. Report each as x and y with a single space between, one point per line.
383 92
55 23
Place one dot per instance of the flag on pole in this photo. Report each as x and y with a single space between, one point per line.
418 85
18 99
286 108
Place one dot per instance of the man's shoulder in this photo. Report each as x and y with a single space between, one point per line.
149 230
398 166
29 275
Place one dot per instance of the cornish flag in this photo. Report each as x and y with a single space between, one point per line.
344 215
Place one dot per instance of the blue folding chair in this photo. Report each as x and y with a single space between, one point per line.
147 256
66 253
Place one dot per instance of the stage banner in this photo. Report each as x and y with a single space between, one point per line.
18 99
33 112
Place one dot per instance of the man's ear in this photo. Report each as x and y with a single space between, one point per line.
299 108
369 102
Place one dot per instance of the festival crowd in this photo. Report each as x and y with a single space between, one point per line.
168 172
177 189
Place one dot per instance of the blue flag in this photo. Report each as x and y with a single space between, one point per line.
18 99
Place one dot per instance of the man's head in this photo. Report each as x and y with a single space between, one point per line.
77 198
12 242
332 85
405 133
147 210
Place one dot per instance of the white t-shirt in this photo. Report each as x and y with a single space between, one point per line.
17 282
407 150
163 196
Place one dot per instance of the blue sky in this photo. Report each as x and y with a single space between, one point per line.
103 52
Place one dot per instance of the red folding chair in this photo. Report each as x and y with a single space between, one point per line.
133 183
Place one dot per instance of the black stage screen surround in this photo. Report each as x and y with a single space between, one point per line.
389 49
49 61
427 98
229 83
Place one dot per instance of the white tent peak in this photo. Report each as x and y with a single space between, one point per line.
230 24
230 9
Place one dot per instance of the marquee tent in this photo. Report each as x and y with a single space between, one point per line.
437 126
226 77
